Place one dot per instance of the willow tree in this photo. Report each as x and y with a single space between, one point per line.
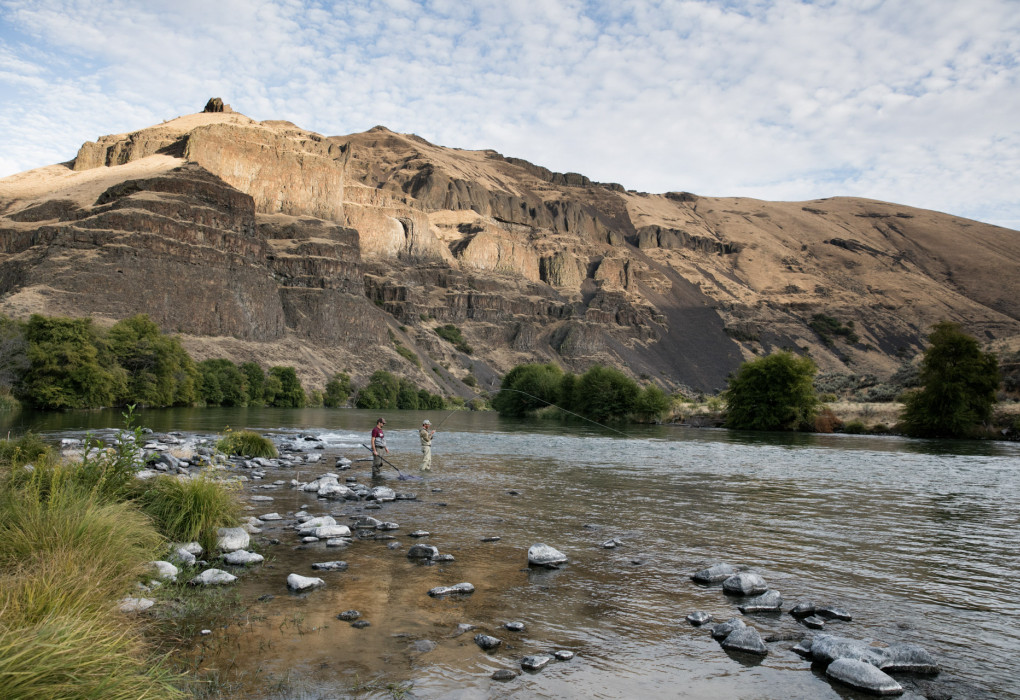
772 393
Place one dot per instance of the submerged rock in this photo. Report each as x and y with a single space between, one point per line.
803 609
827 648
462 588
503 674
813 622
833 613
564 655
699 618
487 642
863 676
714 574
330 566
544 555
724 629
422 551
535 662
746 639
907 658
745 584
382 493
769 601
349 615
514 626
299 583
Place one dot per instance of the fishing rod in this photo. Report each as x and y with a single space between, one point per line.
550 403
402 477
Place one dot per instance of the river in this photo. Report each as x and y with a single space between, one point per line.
919 540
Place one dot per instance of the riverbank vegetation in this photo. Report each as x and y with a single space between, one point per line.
75 538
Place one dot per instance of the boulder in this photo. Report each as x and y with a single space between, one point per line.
826 648
769 601
463 588
213 577
422 551
486 642
746 639
164 570
907 658
863 676
544 555
713 574
184 557
241 557
303 583
745 584
232 538
382 493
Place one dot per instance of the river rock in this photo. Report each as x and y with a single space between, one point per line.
463 588
349 615
612 544
863 676
443 557
503 674
746 639
724 629
463 628
361 624
213 577
270 516
243 558
536 662
333 489
367 522
907 658
769 601
192 547
299 583
714 574
422 551
745 584
699 618
261 499
826 648
330 566
309 539
514 626
232 539
544 555
183 557
564 655
803 609
382 493
164 570
486 642
830 612
330 531
338 541
388 526
813 622
803 647
135 605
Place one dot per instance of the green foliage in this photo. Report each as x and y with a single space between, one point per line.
602 393
527 388
854 427
8 403
826 327
255 381
246 443
222 383
407 396
407 353
159 371
452 334
13 355
959 386
470 381
380 392
290 393
338 390
315 398
70 366
651 403
191 509
23 450
430 402
772 393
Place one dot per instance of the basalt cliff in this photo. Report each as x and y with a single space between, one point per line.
260 240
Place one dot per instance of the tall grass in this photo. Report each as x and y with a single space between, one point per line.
246 442
23 450
191 509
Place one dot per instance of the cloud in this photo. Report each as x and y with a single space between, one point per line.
913 102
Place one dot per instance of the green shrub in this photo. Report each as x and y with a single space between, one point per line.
186 510
13 357
854 427
246 443
255 382
23 450
159 370
527 388
827 326
603 393
452 335
772 393
651 403
470 381
8 404
380 393
407 353
289 392
338 390
222 383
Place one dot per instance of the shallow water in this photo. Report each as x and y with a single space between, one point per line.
917 539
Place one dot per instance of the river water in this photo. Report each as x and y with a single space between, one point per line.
919 540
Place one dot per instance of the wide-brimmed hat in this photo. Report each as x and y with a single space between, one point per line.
426 422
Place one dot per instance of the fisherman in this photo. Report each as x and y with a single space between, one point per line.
426 445
378 443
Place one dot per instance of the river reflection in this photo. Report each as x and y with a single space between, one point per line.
919 540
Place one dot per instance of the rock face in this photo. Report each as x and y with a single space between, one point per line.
263 241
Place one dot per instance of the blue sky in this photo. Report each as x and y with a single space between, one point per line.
912 101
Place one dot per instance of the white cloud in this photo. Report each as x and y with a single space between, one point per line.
913 101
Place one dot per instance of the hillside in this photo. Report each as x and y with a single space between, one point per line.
260 240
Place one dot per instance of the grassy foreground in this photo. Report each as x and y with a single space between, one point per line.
73 542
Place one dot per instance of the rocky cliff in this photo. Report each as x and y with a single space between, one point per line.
260 240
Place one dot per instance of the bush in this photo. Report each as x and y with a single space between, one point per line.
289 392
380 392
527 388
603 393
772 393
8 403
827 326
452 335
959 386
13 355
246 443
338 390
186 510
826 421
854 427
159 371
651 403
23 450
407 353
255 383
221 383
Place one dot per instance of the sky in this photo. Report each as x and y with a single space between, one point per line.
909 101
